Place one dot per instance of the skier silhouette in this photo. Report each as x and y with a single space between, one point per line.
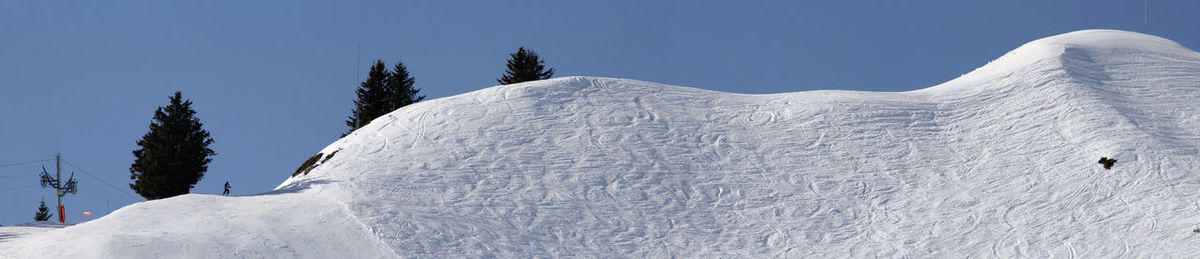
226 193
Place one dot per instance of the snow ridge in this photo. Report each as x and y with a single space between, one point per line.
999 163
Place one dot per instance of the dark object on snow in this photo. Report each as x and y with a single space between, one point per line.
313 162
226 193
308 165
1107 162
1197 230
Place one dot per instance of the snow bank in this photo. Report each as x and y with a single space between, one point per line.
272 225
1000 162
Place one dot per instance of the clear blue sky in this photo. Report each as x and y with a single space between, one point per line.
273 82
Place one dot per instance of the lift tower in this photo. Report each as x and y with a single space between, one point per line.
62 188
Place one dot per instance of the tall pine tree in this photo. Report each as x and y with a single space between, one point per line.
524 65
370 101
400 90
174 155
382 92
43 213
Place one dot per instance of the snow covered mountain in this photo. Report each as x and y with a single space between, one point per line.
1000 162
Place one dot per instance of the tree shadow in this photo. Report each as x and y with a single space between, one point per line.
7 236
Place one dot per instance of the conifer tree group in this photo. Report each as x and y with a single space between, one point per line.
386 90
524 65
382 92
173 155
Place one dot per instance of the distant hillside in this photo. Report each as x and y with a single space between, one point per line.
1001 162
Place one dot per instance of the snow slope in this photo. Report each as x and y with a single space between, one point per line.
281 224
1001 162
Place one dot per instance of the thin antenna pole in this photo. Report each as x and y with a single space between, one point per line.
358 74
1146 16
58 172
358 63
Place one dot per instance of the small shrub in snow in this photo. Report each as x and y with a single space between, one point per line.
1107 162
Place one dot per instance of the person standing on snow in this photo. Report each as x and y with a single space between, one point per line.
226 193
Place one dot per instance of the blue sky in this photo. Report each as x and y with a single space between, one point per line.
273 82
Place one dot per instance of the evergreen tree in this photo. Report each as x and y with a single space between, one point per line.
43 213
371 97
524 65
400 90
174 155
382 92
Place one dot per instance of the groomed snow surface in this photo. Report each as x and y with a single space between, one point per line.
1001 162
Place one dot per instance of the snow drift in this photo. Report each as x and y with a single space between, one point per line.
999 162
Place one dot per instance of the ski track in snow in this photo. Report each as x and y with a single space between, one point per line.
998 163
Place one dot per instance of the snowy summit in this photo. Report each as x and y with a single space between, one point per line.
1001 162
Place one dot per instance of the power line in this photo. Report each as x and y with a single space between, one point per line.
24 163
19 188
101 180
